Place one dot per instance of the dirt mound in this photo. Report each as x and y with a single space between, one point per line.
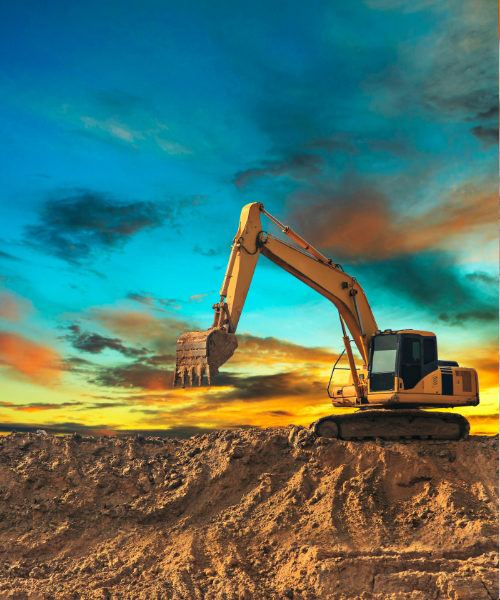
247 514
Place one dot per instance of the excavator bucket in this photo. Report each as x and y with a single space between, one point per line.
202 352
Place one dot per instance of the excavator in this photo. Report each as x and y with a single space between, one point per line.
400 375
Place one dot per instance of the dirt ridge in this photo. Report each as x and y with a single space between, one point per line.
248 513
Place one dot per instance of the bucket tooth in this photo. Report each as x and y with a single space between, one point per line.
199 372
200 352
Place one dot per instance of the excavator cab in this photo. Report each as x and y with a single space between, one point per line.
408 356
404 368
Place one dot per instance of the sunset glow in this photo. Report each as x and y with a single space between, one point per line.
130 148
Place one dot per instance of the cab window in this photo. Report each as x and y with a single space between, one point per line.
411 364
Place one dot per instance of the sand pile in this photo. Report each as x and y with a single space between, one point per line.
247 514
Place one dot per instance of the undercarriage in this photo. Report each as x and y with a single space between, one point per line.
387 424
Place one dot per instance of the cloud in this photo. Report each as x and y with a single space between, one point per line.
451 72
160 334
209 252
254 350
142 297
95 343
261 388
356 222
483 424
28 361
8 256
488 115
113 127
124 120
134 376
432 282
38 406
150 300
482 278
14 307
487 135
43 406
298 165
171 147
199 297
75 227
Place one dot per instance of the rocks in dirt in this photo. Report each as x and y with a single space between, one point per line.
301 437
247 514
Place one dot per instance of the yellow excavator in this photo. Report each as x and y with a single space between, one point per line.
400 375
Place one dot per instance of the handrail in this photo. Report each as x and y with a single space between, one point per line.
340 369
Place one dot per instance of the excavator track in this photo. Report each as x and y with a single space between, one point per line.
396 424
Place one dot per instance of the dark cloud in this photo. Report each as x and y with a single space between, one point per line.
451 72
8 256
431 281
37 406
134 376
481 277
207 252
488 115
259 388
487 135
119 102
255 350
150 300
159 359
136 327
95 343
489 315
79 406
464 76
76 226
143 298
298 165
339 142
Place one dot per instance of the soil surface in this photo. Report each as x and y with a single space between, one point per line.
247 514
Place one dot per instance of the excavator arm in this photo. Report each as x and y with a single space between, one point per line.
204 352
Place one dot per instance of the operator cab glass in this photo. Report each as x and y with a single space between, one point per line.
409 356
383 363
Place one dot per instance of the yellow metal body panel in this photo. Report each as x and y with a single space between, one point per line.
428 391
240 273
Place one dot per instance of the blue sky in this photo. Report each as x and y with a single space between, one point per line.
131 135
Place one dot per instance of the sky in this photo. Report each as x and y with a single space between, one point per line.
133 133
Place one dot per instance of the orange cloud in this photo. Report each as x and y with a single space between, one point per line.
254 350
13 307
487 369
483 424
29 361
362 224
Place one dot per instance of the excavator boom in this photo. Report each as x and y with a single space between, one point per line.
194 353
